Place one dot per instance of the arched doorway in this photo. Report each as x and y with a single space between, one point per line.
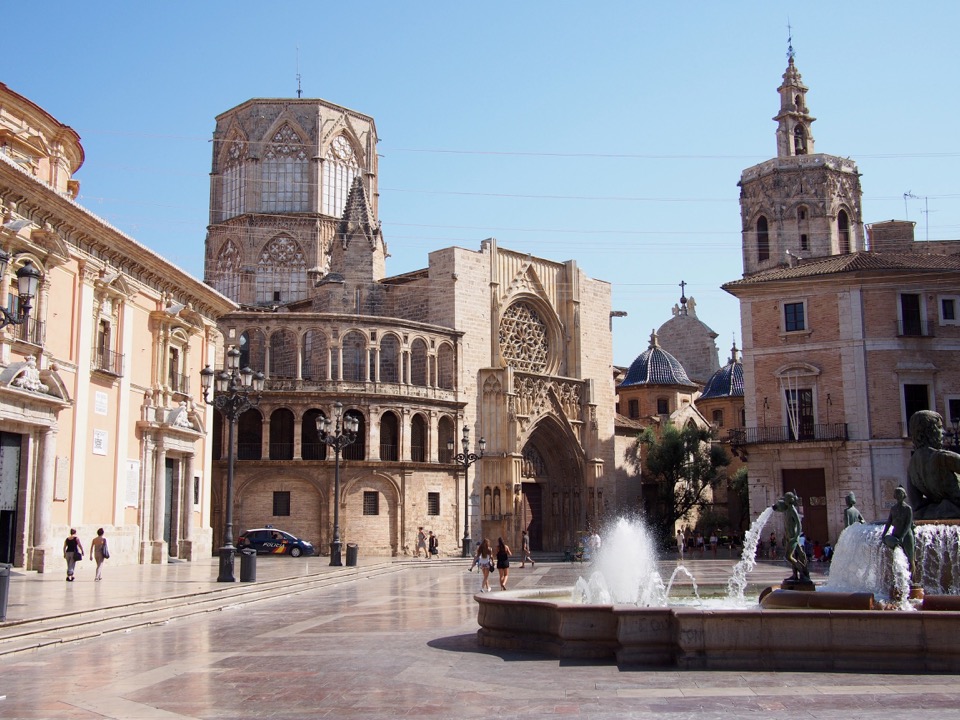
552 491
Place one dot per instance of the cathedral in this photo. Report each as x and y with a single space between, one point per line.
483 345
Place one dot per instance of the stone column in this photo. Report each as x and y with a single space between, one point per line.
43 542
157 544
186 508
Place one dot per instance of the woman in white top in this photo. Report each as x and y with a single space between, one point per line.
484 560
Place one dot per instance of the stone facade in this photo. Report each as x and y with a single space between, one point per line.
99 422
514 348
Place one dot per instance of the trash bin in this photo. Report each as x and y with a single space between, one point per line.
4 589
248 565
352 549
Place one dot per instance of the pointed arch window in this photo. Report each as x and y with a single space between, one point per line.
281 272
763 239
226 273
232 174
284 174
843 232
340 167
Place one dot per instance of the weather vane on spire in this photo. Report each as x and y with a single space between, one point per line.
790 52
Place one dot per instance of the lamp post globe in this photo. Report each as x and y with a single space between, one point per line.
466 459
337 434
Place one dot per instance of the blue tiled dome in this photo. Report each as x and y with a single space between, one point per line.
727 381
656 367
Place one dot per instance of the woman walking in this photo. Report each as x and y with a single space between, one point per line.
484 560
503 562
72 552
98 546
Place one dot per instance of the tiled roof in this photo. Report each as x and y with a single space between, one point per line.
854 262
622 421
725 382
656 366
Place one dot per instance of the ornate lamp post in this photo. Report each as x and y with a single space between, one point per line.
344 432
466 459
28 279
954 434
235 392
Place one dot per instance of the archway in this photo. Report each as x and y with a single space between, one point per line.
552 490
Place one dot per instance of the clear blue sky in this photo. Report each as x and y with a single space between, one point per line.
610 133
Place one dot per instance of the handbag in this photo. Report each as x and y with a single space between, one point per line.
106 551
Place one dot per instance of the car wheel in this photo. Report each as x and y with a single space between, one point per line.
295 552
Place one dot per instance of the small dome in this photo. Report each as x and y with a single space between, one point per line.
656 366
727 381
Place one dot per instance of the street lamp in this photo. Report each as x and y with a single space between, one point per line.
344 432
466 459
28 279
954 434
234 392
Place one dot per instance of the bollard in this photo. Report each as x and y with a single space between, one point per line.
248 565
4 589
352 550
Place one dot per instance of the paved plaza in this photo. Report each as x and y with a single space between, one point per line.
391 640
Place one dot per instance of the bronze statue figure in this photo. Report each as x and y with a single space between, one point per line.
901 524
795 554
851 516
934 490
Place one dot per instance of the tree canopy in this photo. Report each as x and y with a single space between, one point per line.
685 466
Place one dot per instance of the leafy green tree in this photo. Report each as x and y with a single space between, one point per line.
684 465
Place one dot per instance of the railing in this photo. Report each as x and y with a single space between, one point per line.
179 383
32 331
249 451
418 453
281 451
108 361
313 451
786 434
388 452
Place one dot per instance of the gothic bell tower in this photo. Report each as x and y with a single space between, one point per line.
800 204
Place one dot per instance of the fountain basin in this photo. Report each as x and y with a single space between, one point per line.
546 621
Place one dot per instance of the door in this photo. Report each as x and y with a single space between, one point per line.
9 494
811 487
533 513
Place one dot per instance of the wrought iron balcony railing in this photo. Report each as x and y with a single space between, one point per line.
818 432
108 361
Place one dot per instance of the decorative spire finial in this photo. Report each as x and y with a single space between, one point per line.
683 298
790 52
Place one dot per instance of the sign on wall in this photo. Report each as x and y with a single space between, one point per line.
133 483
100 403
99 442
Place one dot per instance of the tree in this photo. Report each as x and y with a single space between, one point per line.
684 465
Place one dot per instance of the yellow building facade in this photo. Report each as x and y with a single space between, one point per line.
101 420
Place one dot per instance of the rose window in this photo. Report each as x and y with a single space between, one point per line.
523 339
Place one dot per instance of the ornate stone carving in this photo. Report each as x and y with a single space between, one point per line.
523 338
29 377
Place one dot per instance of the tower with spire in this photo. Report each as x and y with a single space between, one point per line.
800 204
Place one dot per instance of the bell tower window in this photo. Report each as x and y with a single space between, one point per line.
843 232
763 240
284 174
799 140
340 167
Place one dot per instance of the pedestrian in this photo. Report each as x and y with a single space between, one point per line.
484 560
701 546
525 550
98 546
503 561
72 552
773 546
595 543
421 541
680 543
434 544
714 542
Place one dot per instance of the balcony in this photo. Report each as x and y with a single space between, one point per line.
31 331
179 383
785 434
108 361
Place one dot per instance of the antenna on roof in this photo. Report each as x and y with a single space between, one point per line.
299 91
790 52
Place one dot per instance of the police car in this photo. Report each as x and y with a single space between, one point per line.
274 542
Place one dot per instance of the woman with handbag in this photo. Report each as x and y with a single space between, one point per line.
98 546
72 552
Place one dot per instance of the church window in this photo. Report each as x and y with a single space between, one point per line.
718 418
390 359
948 309
371 502
314 356
445 366
794 316
281 272
433 503
253 350
800 418
418 439
523 338
232 175
663 406
804 242
763 240
418 363
340 167
915 398
226 273
281 434
634 408
843 232
353 349
389 437
284 175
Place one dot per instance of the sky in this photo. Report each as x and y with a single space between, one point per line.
610 133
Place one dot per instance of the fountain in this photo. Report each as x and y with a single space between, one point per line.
624 610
